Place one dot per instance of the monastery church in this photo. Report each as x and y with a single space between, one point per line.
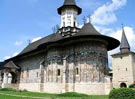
71 60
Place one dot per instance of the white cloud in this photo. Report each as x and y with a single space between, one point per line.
106 13
18 43
118 34
35 39
103 30
6 57
129 34
14 54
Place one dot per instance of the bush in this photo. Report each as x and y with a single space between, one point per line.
132 86
72 94
122 93
7 89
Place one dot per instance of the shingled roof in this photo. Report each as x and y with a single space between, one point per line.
89 31
51 38
124 42
69 3
2 65
8 64
11 65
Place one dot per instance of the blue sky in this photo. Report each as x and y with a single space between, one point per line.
24 20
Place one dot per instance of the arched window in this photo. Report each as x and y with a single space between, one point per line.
123 85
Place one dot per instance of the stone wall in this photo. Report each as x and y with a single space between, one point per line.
12 86
90 88
30 68
35 87
86 88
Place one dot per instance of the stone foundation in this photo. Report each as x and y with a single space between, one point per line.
86 88
34 87
12 86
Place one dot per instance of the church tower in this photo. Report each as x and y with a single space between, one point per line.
123 64
69 12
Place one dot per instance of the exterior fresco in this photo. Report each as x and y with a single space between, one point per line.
85 62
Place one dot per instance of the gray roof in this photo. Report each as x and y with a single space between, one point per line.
89 31
51 38
86 31
11 64
69 3
124 42
2 65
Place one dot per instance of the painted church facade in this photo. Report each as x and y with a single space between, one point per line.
71 60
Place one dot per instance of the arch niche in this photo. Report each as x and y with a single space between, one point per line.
123 85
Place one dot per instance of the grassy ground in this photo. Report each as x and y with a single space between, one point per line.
13 94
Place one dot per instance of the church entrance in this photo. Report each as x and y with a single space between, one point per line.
14 77
10 77
123 85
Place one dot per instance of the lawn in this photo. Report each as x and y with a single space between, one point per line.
13 94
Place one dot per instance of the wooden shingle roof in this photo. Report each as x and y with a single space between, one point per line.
88 30
124 42
69 3
49 39
11 65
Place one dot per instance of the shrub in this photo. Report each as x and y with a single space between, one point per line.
72 94
132 86
7 89
122 93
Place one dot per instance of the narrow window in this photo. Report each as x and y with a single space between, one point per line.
58 72
22 74
37 74
27 72
77 71
126 69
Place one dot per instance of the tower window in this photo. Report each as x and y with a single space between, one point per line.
58 72
74 24
126 69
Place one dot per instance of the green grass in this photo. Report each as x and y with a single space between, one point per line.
12 97
29 95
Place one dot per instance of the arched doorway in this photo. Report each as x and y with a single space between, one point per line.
14 77
123 85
